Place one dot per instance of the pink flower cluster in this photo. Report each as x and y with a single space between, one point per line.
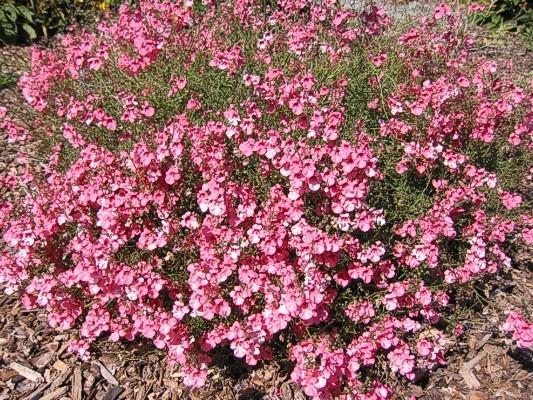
210 180
521 329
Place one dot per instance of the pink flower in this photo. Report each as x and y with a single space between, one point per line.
177 84
510 200
147 110
476 7
441 11
402 361
379 59
360 312
80 348
521 329
172 175
193 104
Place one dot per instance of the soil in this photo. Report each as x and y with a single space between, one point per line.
483 364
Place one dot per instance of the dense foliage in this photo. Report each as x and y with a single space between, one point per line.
16 20
26 20
508 16
301 182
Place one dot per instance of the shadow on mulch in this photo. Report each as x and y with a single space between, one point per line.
524 357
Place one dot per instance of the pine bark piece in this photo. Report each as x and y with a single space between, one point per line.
41 360
60 366
77 387
113 393
55 394
108 376
26 372
466 371
36 394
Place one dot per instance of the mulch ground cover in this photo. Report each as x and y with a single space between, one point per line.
34 363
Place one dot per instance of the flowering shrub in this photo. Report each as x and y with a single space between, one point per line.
231 175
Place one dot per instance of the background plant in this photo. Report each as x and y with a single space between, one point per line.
7 79
26 20
16 21
297 182
507 16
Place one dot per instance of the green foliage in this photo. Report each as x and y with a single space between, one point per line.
16 21
507 16
7 79
26 20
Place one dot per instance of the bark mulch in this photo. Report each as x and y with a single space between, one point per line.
34 364
483 364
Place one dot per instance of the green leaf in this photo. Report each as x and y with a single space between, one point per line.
8 30
29 30
10 11
27 13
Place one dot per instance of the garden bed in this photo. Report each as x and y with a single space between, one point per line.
481 364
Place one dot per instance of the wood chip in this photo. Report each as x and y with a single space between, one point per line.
483 341
108 376
474 361
60 366
6 375
27 329
416 391
48 375
61 379
15 310
113 393
36 394
55 394
141 394
127 395
478 396
41 360
77 388
493 350
62 349
52 346
88 381
466 371
26 372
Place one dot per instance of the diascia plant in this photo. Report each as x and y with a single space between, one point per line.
297 181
